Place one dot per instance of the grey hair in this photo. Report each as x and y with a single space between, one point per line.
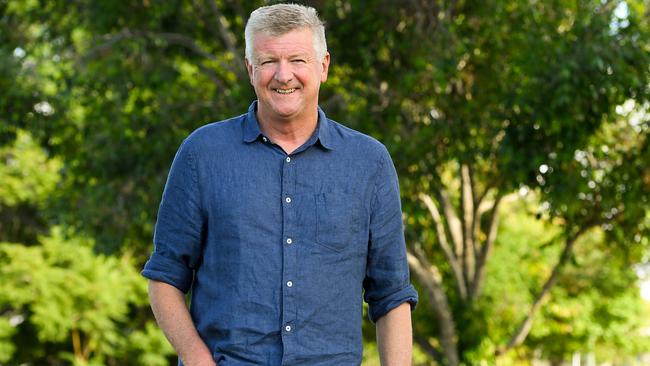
276 20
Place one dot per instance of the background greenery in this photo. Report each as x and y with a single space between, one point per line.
519 130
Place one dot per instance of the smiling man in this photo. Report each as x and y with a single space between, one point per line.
280 222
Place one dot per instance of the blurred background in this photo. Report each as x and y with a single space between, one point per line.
519 130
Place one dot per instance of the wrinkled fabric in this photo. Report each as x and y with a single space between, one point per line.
279 250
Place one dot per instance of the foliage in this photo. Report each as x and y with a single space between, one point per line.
71 302
146 347
476 100
578 319
28 179
27 173
490 98
7 347
124 86
58 295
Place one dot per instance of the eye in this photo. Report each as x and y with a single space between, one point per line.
298 60
266 61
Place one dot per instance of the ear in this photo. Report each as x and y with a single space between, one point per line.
249 68
325 65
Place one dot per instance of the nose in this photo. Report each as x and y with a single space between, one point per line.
283 72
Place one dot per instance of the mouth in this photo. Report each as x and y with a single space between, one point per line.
285 91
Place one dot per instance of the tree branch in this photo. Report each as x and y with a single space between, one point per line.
181 40
109 41
480 207
226 36
212 75
453 223
76 345
444 244
467 209
88 347
524 328
484 253
428 348
476 197
190 44
431 281
171 38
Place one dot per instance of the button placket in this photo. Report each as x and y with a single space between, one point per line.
289 270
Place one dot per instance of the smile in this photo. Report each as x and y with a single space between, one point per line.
285 91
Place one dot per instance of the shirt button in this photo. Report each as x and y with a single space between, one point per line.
287 328
288 159
288 199
265 139
289 241
289 284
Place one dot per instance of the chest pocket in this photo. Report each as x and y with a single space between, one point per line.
338 220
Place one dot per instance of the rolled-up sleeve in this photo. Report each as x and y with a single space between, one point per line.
387 284
178 231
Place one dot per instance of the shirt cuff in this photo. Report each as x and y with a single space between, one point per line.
163 269
379 308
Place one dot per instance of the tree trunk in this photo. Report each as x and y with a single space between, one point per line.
430 280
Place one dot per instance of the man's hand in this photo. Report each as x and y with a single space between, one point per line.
395 337
173 317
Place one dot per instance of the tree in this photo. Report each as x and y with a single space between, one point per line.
68 303
28 178
120 85
59 300
475 100
595 307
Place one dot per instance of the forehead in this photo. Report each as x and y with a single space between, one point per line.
299 41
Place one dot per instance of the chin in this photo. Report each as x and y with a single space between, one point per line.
286 114
286 110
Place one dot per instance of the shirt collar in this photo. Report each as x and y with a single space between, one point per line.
251 128
324 130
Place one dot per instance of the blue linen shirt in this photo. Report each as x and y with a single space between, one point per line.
278 250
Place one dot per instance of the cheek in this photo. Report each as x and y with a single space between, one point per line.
308 76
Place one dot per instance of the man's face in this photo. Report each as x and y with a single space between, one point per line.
286 75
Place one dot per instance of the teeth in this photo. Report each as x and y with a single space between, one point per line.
285 91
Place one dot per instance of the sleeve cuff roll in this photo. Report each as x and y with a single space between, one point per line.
379 308
163 269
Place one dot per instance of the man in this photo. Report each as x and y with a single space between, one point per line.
280 221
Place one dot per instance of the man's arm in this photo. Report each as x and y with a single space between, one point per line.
173 317
394 337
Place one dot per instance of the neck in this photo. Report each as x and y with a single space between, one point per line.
289 134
